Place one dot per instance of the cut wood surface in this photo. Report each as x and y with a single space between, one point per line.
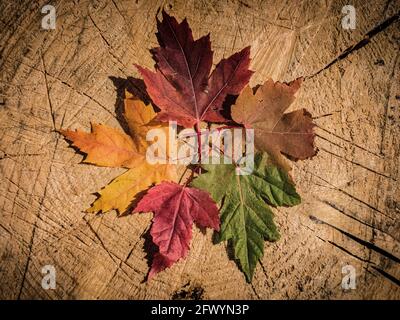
77 73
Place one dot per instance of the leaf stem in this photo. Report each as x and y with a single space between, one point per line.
198 132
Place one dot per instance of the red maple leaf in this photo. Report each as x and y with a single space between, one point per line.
182 86
175 209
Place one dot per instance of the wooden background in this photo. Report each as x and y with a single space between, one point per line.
67 77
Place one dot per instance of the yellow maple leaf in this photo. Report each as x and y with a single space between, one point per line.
121 192
140 119
111 147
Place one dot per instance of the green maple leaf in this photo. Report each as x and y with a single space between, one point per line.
246 218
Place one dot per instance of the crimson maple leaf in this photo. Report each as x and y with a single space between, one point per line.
175 209
182 86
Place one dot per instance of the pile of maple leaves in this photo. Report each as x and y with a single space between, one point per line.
184 90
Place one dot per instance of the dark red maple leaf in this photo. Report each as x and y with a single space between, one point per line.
182 86
175 209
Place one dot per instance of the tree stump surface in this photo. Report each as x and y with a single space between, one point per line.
75 74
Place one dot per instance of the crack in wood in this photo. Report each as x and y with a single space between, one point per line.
347 251
109 47
63 82
362 43
335 207
387 275
348 141
386 107
38 217
53 120
364 243
357 164
348 194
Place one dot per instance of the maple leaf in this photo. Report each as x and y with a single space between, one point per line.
188 92
175 209
140 119
276 132
105 146
121 192
111 147
246 218
182 86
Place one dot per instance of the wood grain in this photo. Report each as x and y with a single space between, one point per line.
67 77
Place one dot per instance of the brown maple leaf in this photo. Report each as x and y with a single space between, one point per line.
276 132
